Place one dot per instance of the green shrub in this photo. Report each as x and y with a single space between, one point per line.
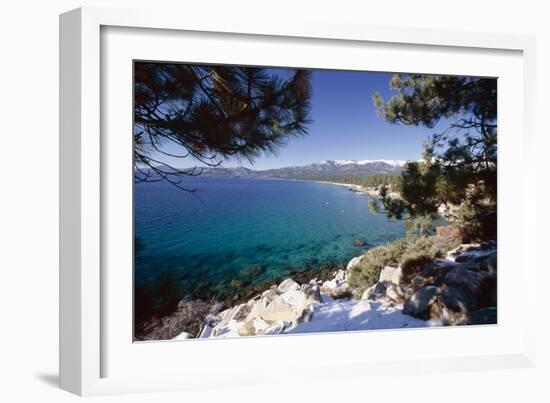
395 251
432 246
423 252
411 257
411 263
366 273
477 220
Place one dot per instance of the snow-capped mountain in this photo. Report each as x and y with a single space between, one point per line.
319 169
395 163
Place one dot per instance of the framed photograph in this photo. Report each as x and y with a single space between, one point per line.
240 193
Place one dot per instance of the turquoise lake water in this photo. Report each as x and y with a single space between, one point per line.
229 225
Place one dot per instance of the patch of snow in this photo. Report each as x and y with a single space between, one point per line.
345 162
473 253
337 315
231 329
182 336
393 163
347 314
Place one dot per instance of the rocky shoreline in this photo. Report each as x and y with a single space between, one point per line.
361 190
458 289
445 211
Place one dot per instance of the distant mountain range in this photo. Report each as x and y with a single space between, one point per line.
327 168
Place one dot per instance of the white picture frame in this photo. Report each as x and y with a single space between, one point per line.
85 343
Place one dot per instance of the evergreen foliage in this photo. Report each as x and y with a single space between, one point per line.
460 163
210 113
367 272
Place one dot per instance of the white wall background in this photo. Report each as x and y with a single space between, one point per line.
29 200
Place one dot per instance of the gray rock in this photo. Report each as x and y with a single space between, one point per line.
340 292
312 293
390 275
380 288
420 280
490 263
394 292
408 291
493 298
368 293
247 329
455 305
420 303
376 290
465 247
337 287
470 280
484 316
341 275
464 258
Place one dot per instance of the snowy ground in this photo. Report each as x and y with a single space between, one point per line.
340 315
348 314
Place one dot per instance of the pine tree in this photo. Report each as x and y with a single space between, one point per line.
460 163
212 113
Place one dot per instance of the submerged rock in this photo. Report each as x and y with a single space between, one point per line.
359 242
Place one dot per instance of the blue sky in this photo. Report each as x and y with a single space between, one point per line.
345 125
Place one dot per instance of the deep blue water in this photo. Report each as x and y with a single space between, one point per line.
229 225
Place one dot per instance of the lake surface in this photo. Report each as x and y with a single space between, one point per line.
229 226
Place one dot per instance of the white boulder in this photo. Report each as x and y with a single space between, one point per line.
288 285
276 328
374 291
391 275
281 310
341 275
183 336
394 292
